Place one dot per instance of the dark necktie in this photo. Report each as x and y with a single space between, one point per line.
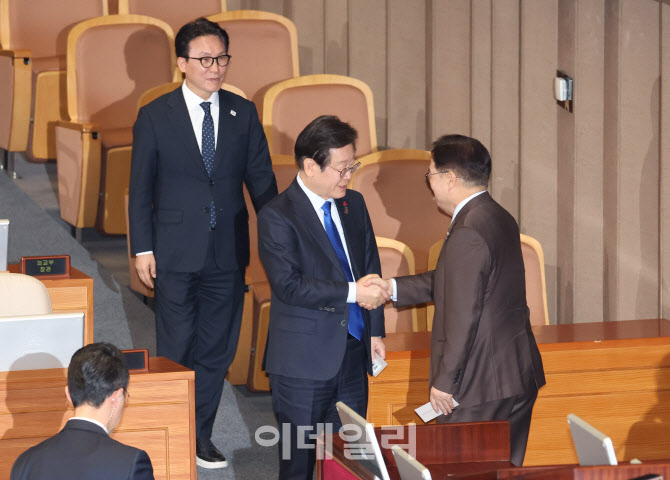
208 150
356 324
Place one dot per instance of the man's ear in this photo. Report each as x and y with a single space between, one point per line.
67 394
181 63
310 166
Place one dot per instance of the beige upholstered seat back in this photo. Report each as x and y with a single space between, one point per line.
397 260
175 13
22 295
264 49
536 287
42 25
292 104
115 64
285 169
155 92
399 200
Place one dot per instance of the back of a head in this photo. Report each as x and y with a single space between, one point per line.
95 372
198 28
320 136
465 156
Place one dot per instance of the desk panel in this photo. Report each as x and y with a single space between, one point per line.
619 381
159 417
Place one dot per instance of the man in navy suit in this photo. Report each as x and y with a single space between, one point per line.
193 149
318 248
97 382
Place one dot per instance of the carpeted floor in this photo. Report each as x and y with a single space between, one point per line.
31 204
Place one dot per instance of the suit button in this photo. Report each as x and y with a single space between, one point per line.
206 209
321 308
211 183
343 323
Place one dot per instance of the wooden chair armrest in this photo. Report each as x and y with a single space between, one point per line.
83 127
15 53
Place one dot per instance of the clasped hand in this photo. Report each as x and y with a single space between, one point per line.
373 291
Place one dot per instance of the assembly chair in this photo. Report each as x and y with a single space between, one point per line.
111 61
264 50
290 105
155 92
23 295
32 70
397 260
536 285
399 200
175 13
285 169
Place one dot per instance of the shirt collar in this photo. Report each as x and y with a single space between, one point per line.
86 419
462 204
193 101
316 200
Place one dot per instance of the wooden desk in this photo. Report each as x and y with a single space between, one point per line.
159 417
74 294
446 449
615 375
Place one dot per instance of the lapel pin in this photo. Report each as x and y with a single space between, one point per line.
233 113
346 208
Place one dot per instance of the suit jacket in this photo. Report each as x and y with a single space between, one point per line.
482 345
171 192
309 314
82 450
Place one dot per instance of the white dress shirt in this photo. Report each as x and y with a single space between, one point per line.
317 202
92 421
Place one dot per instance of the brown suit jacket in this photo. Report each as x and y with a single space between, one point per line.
482 346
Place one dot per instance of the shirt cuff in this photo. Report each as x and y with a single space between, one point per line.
144 253
351 298
394 297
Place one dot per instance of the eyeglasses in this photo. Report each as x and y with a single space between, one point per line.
207 62
346 171
126 394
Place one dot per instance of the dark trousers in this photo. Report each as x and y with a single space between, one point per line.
516 410
302 402
198 317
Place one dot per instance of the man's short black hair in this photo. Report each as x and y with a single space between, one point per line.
322 134
465 156
195 29
95 372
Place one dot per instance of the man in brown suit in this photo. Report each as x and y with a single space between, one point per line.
483 352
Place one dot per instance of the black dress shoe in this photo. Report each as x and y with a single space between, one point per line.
207 455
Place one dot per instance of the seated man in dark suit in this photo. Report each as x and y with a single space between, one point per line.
97 381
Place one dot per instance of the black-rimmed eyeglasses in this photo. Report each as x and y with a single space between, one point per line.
346 171
207 62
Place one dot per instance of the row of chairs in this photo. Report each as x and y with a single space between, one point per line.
410 234
33 47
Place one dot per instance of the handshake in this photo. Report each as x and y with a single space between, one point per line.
373 291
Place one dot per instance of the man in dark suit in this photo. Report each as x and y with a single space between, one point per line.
193 149
318 248
97 382
483 351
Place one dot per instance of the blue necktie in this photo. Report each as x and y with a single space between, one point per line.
208 150
356 324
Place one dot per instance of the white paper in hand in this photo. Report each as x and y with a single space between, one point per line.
427 413
378 365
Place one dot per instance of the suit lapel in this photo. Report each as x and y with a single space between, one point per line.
183 128
350 230
227 125
305 214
